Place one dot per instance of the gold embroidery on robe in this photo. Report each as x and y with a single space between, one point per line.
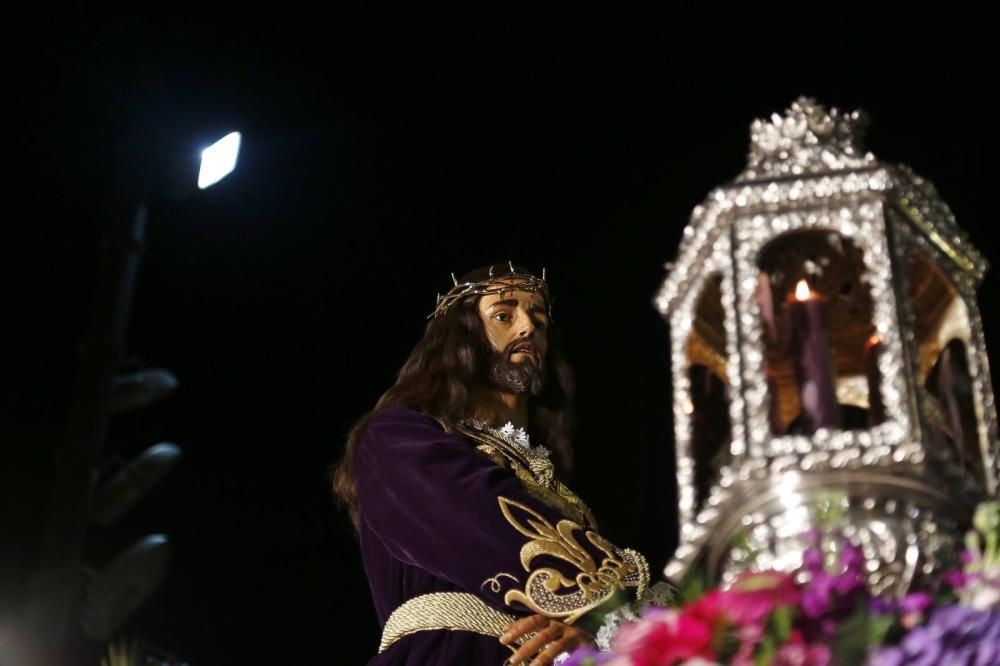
553 493
548 591
536 473
494 582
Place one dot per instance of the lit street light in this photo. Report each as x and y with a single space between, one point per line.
113 594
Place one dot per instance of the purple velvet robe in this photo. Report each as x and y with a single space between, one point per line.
432 520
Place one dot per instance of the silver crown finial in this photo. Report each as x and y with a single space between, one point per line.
808 138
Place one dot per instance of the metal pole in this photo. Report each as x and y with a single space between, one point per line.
56 584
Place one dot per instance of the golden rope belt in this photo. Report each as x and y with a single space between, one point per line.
454 611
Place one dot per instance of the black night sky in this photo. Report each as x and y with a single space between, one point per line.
383 149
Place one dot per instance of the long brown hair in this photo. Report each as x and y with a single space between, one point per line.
438 378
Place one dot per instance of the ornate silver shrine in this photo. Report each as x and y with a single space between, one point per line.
912 444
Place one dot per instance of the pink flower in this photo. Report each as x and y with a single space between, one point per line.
748 635
752 597
664 638
622 660
803 654
709 608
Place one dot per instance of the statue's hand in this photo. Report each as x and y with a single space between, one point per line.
551 639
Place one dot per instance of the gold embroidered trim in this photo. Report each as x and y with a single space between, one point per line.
536 473
568 497
493 455
559 497
451 611
514 453
547 590
494 582
641 567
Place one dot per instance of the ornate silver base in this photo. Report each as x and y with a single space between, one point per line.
906 528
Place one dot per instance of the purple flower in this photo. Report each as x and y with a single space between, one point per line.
812 560
954 634
915 602
988 653
881 606
585 656
817 595
889 656
851 557
849 582
957 579
829 598
922 643
951 618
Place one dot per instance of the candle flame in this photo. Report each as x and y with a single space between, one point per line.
874 340
802 292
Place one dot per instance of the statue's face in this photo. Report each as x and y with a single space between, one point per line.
516 324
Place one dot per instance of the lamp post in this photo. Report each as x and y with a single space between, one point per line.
57 585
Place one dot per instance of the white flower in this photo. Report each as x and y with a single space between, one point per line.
518 435
983 591
612 623
659 595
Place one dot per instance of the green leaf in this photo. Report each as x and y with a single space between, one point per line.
878 627
765 652
781 623
692 588
857 633
987 518
592 620
741 544
726 643
828 510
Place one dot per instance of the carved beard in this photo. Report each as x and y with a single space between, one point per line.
519 378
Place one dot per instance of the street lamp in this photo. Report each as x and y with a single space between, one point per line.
55 586
219 160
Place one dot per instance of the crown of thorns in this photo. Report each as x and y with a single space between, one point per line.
495 283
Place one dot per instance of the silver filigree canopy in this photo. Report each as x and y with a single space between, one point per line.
808 138
917 443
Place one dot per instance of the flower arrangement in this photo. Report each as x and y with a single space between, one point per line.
131 651
825 614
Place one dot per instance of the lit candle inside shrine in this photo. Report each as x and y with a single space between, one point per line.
809 343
